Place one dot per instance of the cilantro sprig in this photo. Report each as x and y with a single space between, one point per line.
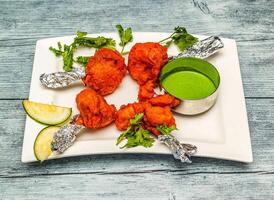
81 40
67 53
82 60
98 42
136 135
181 38
165 130
125 37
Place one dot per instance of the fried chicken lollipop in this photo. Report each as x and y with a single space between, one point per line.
95 112
127 112
139 121
105 71
155 114
146 60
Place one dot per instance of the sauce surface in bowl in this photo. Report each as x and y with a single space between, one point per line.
189 85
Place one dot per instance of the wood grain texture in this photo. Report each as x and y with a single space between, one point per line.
250 23
152 186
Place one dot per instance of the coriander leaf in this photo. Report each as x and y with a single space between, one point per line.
56 51
165 130
82 60
98 42
128 37
148 142
181 38
131 142
179 29
120 30
141 137
125 36
80 40
135 134
59 46
144 138
66 53
81 34
184 40
137 119
68 57
121 137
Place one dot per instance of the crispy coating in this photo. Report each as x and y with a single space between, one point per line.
105 71
146 60
127 112
156 115
95 112
164 100
146 91
153 116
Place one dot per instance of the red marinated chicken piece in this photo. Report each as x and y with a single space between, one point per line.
156 116
146 60
153 116
95 112
105 71
127 112
146 91
164 100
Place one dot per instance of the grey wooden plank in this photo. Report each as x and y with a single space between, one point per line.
26 21
37 18
12 118
153 186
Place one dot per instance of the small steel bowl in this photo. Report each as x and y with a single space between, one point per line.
193 106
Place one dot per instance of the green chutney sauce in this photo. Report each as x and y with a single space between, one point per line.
189 85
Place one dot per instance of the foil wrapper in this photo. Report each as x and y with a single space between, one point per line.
179 150
62 79
202 49
65 137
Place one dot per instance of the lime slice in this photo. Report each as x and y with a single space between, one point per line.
45 113
42 144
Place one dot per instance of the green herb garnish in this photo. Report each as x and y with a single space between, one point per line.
165 130
67 53
82 60
125 37
136 135
98 42
80 40
181 38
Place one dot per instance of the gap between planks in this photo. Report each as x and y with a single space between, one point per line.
178 172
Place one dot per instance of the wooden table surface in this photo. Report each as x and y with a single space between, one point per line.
250 23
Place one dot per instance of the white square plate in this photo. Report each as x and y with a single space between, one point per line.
222 132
